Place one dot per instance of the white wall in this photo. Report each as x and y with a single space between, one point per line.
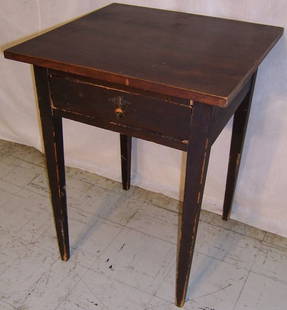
260 199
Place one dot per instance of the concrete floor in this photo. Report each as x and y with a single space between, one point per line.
123 248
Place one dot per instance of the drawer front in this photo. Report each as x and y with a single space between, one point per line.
119 107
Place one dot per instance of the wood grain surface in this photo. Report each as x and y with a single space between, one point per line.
190 56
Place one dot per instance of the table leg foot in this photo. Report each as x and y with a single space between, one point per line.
56 173
126 148
240 122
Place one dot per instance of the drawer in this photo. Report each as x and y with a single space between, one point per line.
119 107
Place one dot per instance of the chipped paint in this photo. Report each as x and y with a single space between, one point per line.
203 168
57 170
238 160
65 254
198 197
65 257
206 143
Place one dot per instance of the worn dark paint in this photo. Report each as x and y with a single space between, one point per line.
126 149
140 133
116 87
53 142
198 152
222 116
166 117
167 77
240 122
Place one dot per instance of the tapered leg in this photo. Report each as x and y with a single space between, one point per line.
240 121
53 142
197 162
126 149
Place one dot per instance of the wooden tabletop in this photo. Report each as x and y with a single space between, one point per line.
179 54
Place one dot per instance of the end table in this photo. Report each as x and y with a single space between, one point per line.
172 78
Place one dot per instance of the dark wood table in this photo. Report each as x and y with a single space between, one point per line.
172 78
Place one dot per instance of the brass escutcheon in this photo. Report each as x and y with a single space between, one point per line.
119 112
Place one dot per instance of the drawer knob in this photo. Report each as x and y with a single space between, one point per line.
119 112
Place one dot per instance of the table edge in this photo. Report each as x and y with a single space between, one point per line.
138 83
120 79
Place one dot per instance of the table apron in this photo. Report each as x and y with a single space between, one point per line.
161 120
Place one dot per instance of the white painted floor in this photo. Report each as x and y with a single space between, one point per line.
123 248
